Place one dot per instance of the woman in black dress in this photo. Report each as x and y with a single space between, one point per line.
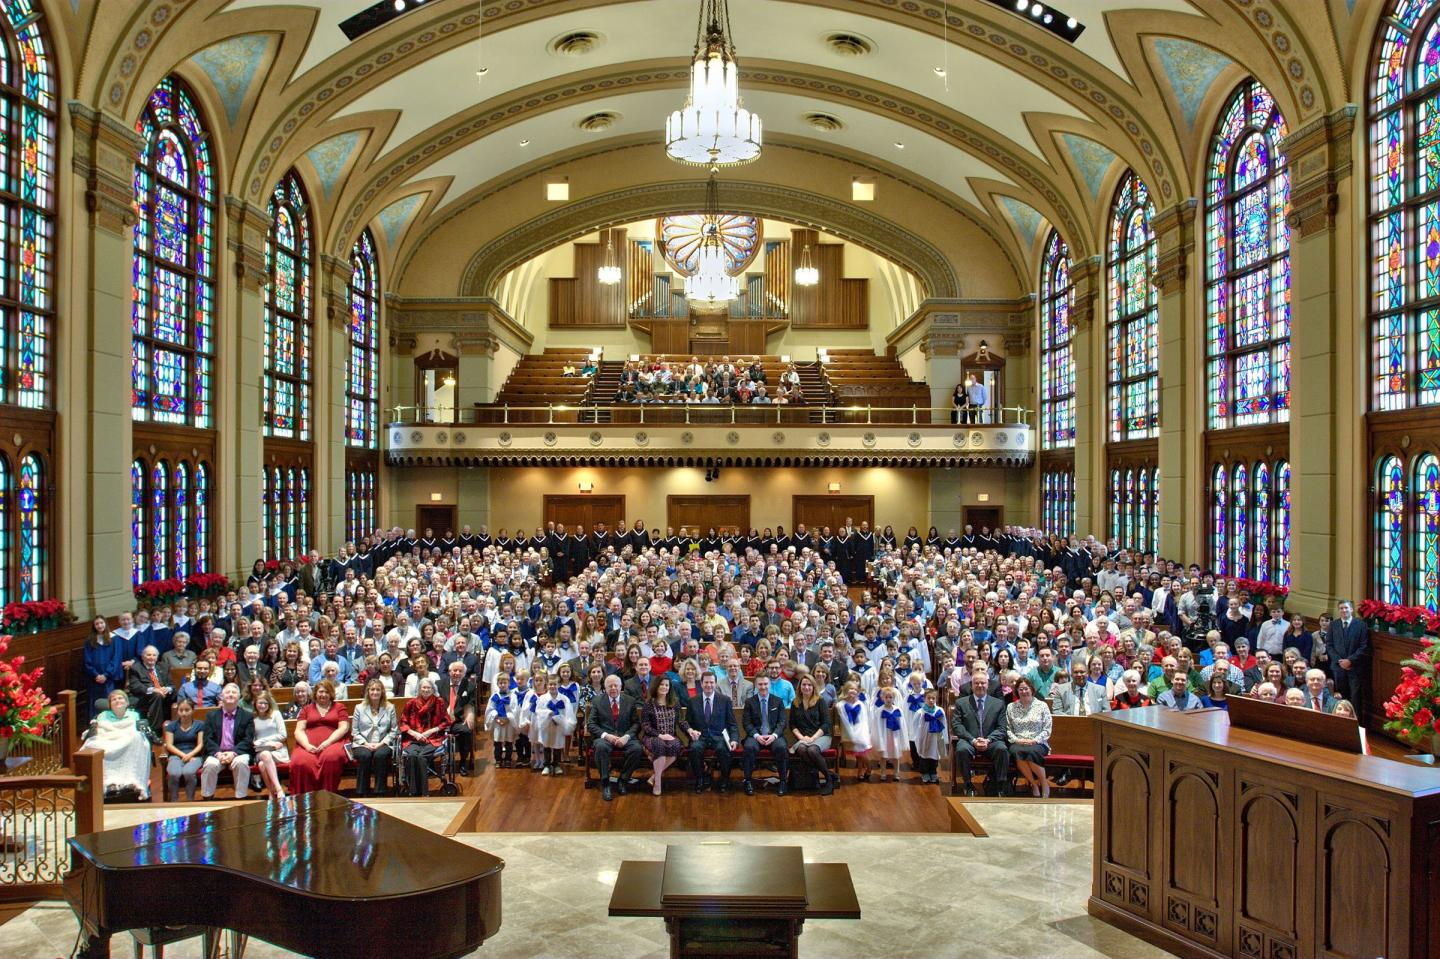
959 403
659 725
810 729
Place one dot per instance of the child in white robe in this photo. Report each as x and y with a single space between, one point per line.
890 735
857 728
552 722
932 737
503 722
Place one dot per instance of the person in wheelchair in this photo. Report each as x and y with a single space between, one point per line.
423 730
457 692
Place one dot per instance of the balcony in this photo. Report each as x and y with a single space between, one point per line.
707 435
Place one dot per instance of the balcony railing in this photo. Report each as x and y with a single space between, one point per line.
704 414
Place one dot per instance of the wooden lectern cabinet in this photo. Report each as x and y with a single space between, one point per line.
1215 840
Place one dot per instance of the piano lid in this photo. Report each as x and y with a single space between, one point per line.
318 844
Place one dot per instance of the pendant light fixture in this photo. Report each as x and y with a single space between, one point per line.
609 272
711 283
713 128
806 274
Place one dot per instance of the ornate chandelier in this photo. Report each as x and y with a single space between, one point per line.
710 283
609 272
806 274
713 128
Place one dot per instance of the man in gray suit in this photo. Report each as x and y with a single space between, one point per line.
978 725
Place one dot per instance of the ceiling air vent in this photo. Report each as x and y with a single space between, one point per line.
825 122
598 122
850 44
576 43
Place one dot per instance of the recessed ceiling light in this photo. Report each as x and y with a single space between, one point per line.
939 71
899 145
399 5
524 143
482 71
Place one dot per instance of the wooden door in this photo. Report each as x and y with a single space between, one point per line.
817 512
587 509
982 516
438 518
703 512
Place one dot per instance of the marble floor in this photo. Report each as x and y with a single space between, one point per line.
1017 894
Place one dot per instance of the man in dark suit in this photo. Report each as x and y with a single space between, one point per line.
457 690
614 727
229 740
461 654
709 721
978 726
638 687
1317 694
1348 645
765 729
152 694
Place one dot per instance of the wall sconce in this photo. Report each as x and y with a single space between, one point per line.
834 487
983 497
586 486
437 497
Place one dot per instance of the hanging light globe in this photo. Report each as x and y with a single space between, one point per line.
710 283
806 273
713 128
609 272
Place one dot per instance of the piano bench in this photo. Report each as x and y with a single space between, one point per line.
158 937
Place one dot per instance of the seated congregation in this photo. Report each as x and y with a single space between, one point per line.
792 654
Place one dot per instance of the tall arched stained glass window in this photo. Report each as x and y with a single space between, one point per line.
31 526
1132 320
302 498
1219 521
27 206
1057 363
202 518
1239 521
1154 511
1141 539
1247 303
1426 497
292 514
180 522
1117 504
172 313
289 317
1282 524
1261 518
159 517
1390 530
138 558
362 380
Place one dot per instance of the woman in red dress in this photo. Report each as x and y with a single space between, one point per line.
321 732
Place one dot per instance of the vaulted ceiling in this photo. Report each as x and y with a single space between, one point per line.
396 129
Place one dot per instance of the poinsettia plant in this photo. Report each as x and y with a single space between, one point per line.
1395 614
35 612
25 710
160 590
1256 587
206 584
1413 712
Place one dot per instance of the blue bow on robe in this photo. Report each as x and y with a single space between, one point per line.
852 712
557 705
936 721
571 692
892 719
501 703
916 701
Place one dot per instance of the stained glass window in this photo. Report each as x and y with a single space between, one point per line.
1404 261
172 311
138 563
289 317
1132 320
169 519
1390 530
202 518
159 518
1426 497
362 517
1134 508
1219 521
1057 363
27 207
31 514
362 379
1240 521
1057 502
1282 524
180 523
1117 505
5 559
1247 301
1261 520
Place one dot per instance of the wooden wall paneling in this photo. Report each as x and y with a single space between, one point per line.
62 654
437 517
747 337
670 335
1123 812
854 313
563 300
817 512
1359 853
703 512
1387 653
588 509
1197 862
1275 828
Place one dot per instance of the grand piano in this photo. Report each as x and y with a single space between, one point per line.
316 874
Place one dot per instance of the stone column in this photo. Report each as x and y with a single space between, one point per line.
477 371
332 350
1329 508
943 346
1088 349
1181 349
96 441
240 450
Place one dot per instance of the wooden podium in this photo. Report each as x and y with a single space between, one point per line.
729 900
1214 840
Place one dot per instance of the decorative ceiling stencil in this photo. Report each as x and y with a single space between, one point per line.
393 218
1091 159
1027 219
1191 69
331 156
680 236
231 66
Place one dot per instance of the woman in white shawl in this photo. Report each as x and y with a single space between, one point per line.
126 738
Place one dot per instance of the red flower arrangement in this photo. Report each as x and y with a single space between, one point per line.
1408 618
1256 587
206 584
35 614
1413 712
25 710
160 590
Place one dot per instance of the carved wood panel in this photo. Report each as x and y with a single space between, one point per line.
1196 858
